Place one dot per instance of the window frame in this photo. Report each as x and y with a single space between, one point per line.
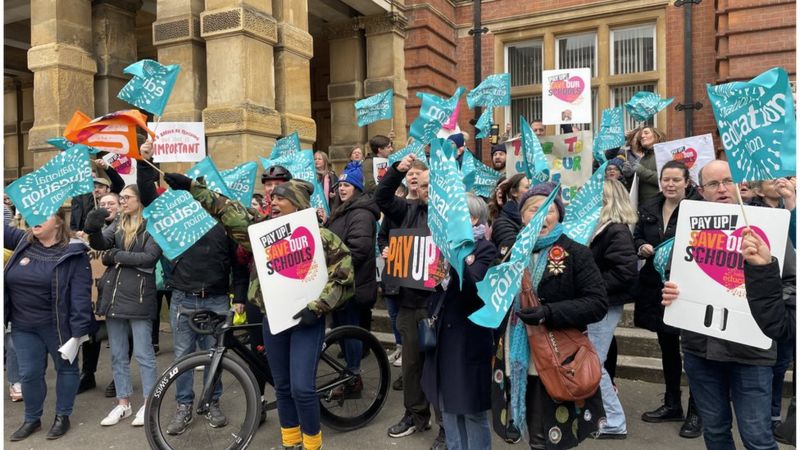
611 46
557 50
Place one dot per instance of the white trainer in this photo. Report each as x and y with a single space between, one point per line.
398 362
118 413
398 351
138 421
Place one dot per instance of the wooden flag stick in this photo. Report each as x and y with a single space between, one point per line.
153 166
741 204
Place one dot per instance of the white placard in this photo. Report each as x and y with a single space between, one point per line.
290 262
178 141
707 266
379 168
695 152
567 96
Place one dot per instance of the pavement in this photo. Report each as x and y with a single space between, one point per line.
92 406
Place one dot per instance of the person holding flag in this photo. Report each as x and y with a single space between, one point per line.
508 223
640 160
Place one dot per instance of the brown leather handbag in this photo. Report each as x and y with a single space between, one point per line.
565 359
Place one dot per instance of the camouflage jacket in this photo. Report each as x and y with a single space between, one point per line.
236 218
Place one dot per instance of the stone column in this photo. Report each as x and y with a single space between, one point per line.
348 69
63 68
240 117
386 69
114 31
292 75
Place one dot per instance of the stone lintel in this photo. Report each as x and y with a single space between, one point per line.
386 23
175 30
294 40
305 126
345 30
242 118
242 20
131 6
62 56
345 91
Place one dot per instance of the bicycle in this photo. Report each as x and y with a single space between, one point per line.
242 373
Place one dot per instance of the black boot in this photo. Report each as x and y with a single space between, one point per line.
87 382
27 429
670 411
111 390
693 425
59 428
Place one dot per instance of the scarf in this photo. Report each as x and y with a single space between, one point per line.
519 350
479 232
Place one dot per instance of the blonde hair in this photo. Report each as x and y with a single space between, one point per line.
326 160
636 143
617 204
131 223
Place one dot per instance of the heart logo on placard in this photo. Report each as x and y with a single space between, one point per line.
293 257
687 156
569 90
724 266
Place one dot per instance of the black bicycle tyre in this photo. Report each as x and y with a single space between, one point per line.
235 366
368 340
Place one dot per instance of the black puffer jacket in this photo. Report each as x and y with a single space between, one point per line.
355 222
772 304
506 227
615 256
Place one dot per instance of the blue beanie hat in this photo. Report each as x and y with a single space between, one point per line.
457 138
543 189
352 175
616 162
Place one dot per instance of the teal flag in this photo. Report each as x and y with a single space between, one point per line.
301 166
416 147
176 221
151 85
448 215
241 182
756 122
63 143
536 167
433 114
469 166
502 282
611 134
583 212
39 194
375 108
288 145
208 171
644 105
484 124
494 90
663 253
485 180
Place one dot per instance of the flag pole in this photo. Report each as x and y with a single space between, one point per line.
741 204
153 166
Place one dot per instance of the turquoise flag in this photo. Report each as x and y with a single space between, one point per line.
288 145
611 134
644 105
663 253
484 124
536 167
63 143
448 215
502 282
151 85
494 90
301 166
485 180
433 114
176 221
583 212
416 147
756 122
241 182
375 108
469 166
206 169
39 194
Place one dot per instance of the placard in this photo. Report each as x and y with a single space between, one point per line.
695 152
413 261
290 262
707 265
567 96
179 141
379 168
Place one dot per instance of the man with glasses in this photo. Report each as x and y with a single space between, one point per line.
721 372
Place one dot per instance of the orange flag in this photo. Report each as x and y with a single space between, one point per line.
114 132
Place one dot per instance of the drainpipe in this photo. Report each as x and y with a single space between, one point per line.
20 141
689 104
476 32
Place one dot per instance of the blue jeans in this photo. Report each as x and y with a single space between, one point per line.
186 341
12 367
392 308
600 334
714 385
142 351
784 360
33 344
467 431
349 315
293 355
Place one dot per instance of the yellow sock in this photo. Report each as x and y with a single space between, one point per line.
291 436
312 442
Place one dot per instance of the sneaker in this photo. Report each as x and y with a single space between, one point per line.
406 427
181 421
440 443
118 413
351 389
398 362
398 384
15 391
138 421
398 351
215 416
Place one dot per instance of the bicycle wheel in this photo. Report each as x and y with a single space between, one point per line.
239 402
351 399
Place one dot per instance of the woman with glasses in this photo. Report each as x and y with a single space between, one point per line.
128 298
657 222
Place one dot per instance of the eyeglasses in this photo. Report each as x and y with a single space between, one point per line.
103 205
125 198
715 185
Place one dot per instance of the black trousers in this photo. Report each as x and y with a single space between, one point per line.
671 361
160 296
414 399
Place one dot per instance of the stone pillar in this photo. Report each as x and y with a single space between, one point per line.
348 69
386 69
114 30
63 68
292 75
240 117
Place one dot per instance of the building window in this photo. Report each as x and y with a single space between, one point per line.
621 94
633 49
525 63
577 52
528 107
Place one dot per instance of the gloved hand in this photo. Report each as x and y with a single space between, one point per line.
108 257
95 220
178 182
306 316
534 316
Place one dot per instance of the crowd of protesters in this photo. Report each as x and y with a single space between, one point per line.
476 379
